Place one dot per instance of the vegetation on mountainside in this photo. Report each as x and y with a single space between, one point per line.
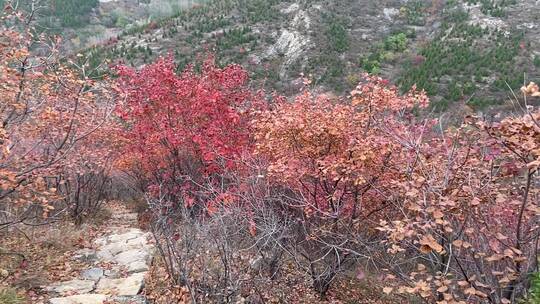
246 190
495 8
466 62
56 15
414 12
455 66
386 52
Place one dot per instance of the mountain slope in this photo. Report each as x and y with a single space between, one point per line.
461 52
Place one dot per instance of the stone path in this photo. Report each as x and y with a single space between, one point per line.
117 266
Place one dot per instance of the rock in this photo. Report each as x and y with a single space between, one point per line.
93 274
126 249
129 300
137 266
85 255
122 235
390 12
105 255
130 217
129 286
134 255
123 238
112 249
113 273
140 242
73 286
80 299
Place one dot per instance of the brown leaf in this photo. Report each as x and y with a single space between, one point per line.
429 243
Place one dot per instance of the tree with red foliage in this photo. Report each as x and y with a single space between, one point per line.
185 130
188 134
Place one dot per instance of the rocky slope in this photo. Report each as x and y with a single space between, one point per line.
463 52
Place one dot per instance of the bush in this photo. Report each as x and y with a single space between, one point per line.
336 176
53 128
337 35
537 61
10 296
534 290
413 12
396 43
236 186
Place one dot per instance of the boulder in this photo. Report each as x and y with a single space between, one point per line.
129 286
133 255
85 255
93 274
129 300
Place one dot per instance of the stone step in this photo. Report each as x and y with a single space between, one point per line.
80 299
130 286
124 250
75 286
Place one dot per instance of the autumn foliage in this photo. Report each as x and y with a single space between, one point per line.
367 177
338 154
185 129
236 178
55 124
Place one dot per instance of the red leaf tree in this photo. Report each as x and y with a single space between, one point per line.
186 130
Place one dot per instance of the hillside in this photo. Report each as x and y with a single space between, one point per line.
236 151
460 52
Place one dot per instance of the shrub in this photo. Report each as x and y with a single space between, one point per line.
396 43
470 226
336 161
537 61
534 290
336 33
10 296
53 123
413 12
449 214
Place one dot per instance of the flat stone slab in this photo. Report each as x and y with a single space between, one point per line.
92 274
129 286
123 249
137 266
73 286
80 299
131 217
122 235
129 300
134 255
85 255
112 249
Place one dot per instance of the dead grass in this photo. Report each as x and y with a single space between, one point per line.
289 287
32 257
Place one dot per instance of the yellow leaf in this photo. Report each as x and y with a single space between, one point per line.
437 214
429 243
458 243
442 289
